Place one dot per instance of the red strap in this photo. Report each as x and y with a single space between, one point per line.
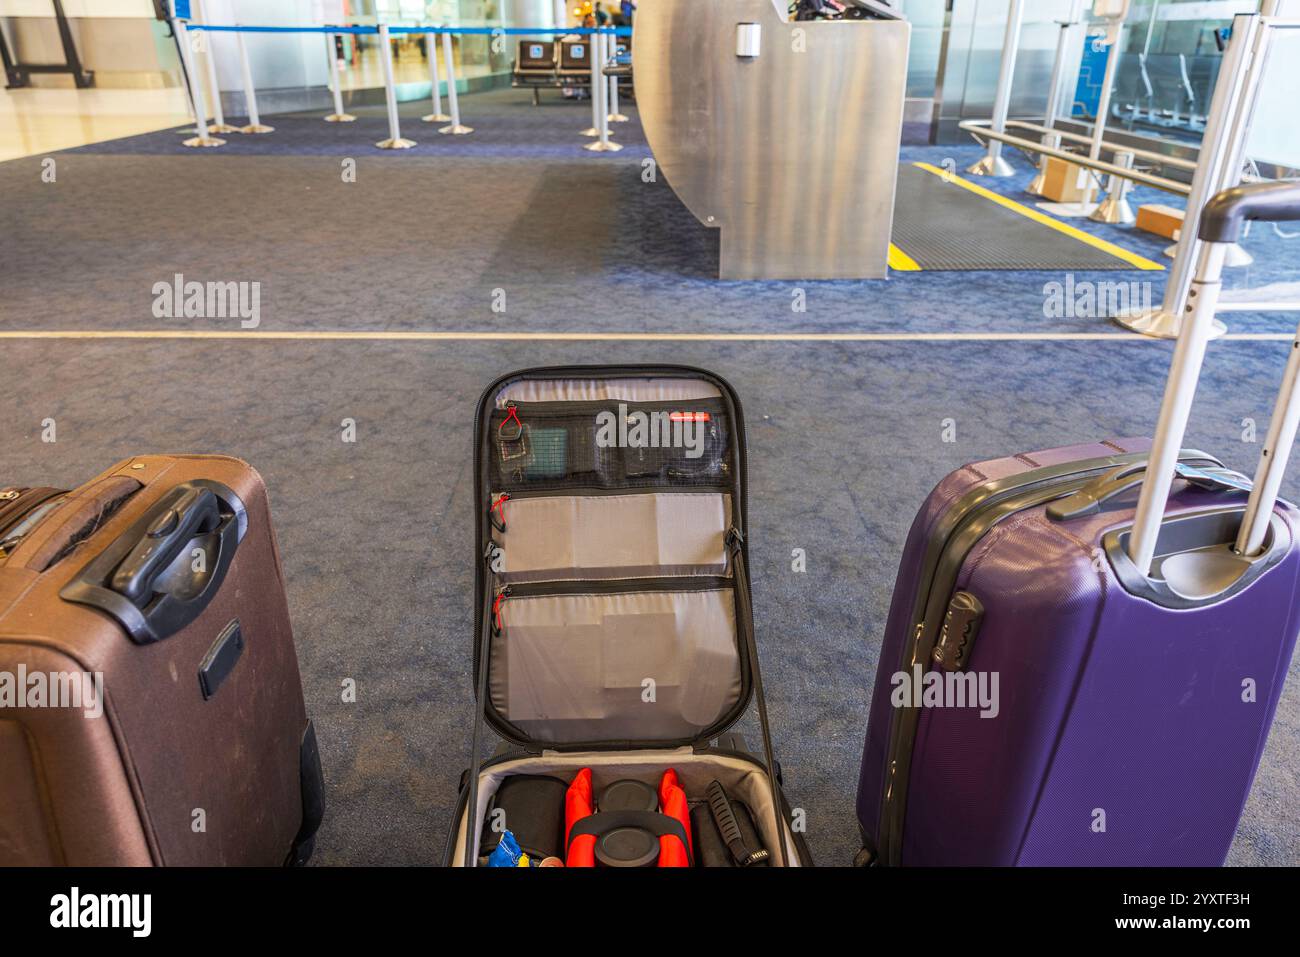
672 802
577 805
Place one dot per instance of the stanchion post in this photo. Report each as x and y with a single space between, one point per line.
614 115
1115 208
219 124
335 84
1114 33
992 163
593 51
255 124
1218 167
453 100
599 91
431 46
395 140
1068 29
196 93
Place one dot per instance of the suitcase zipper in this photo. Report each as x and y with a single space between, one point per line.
618 586
20 511
971 518
561 409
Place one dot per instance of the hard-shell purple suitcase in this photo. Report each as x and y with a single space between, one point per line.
1130 657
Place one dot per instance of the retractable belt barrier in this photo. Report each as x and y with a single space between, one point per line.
601 49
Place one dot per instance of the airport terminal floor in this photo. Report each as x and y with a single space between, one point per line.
391 302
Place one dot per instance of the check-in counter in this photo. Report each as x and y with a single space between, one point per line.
783 135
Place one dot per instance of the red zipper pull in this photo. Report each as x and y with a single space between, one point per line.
497 513
502 595
513 413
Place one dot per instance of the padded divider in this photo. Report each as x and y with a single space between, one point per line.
646 535
743 780
657 389
573 668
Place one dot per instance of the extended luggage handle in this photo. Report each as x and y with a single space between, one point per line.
1221 224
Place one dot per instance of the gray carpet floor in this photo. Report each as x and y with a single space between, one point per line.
377 536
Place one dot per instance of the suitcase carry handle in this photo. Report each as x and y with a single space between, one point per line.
1089 499
1221 224
147 580
186 512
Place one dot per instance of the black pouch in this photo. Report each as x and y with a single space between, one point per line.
710 849
531 807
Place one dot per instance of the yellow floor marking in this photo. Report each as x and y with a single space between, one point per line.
901 261
1141 262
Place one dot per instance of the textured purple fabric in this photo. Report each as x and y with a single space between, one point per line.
1108 702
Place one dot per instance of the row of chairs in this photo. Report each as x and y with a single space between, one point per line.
557 64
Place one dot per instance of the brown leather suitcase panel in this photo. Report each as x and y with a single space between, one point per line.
162 576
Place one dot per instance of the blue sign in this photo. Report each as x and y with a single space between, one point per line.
535 51
181 9
579 51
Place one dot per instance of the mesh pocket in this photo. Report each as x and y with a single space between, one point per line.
586 445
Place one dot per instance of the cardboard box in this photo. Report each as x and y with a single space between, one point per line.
1064 182
1162 220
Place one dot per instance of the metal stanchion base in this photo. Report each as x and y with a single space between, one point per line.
339 118
619 118
1117 212
435 118
590 131
257 128
1235 257
1159 324
401 143
203 141
222 128
457 130
1037 185
987 166
599 147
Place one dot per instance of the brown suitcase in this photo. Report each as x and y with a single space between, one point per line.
158 582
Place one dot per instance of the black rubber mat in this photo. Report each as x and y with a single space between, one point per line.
944 226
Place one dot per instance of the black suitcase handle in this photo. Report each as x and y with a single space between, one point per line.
146 580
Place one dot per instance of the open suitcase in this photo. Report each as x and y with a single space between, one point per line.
149 607
1139 649
613 630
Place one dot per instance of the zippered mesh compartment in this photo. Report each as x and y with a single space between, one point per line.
636 665
641 535
610 445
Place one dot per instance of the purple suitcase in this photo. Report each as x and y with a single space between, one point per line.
1138 654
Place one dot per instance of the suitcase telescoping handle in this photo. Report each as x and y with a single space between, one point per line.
1220 225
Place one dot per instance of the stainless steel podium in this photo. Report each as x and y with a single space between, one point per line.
784 135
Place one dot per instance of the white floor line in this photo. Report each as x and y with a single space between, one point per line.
416 336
